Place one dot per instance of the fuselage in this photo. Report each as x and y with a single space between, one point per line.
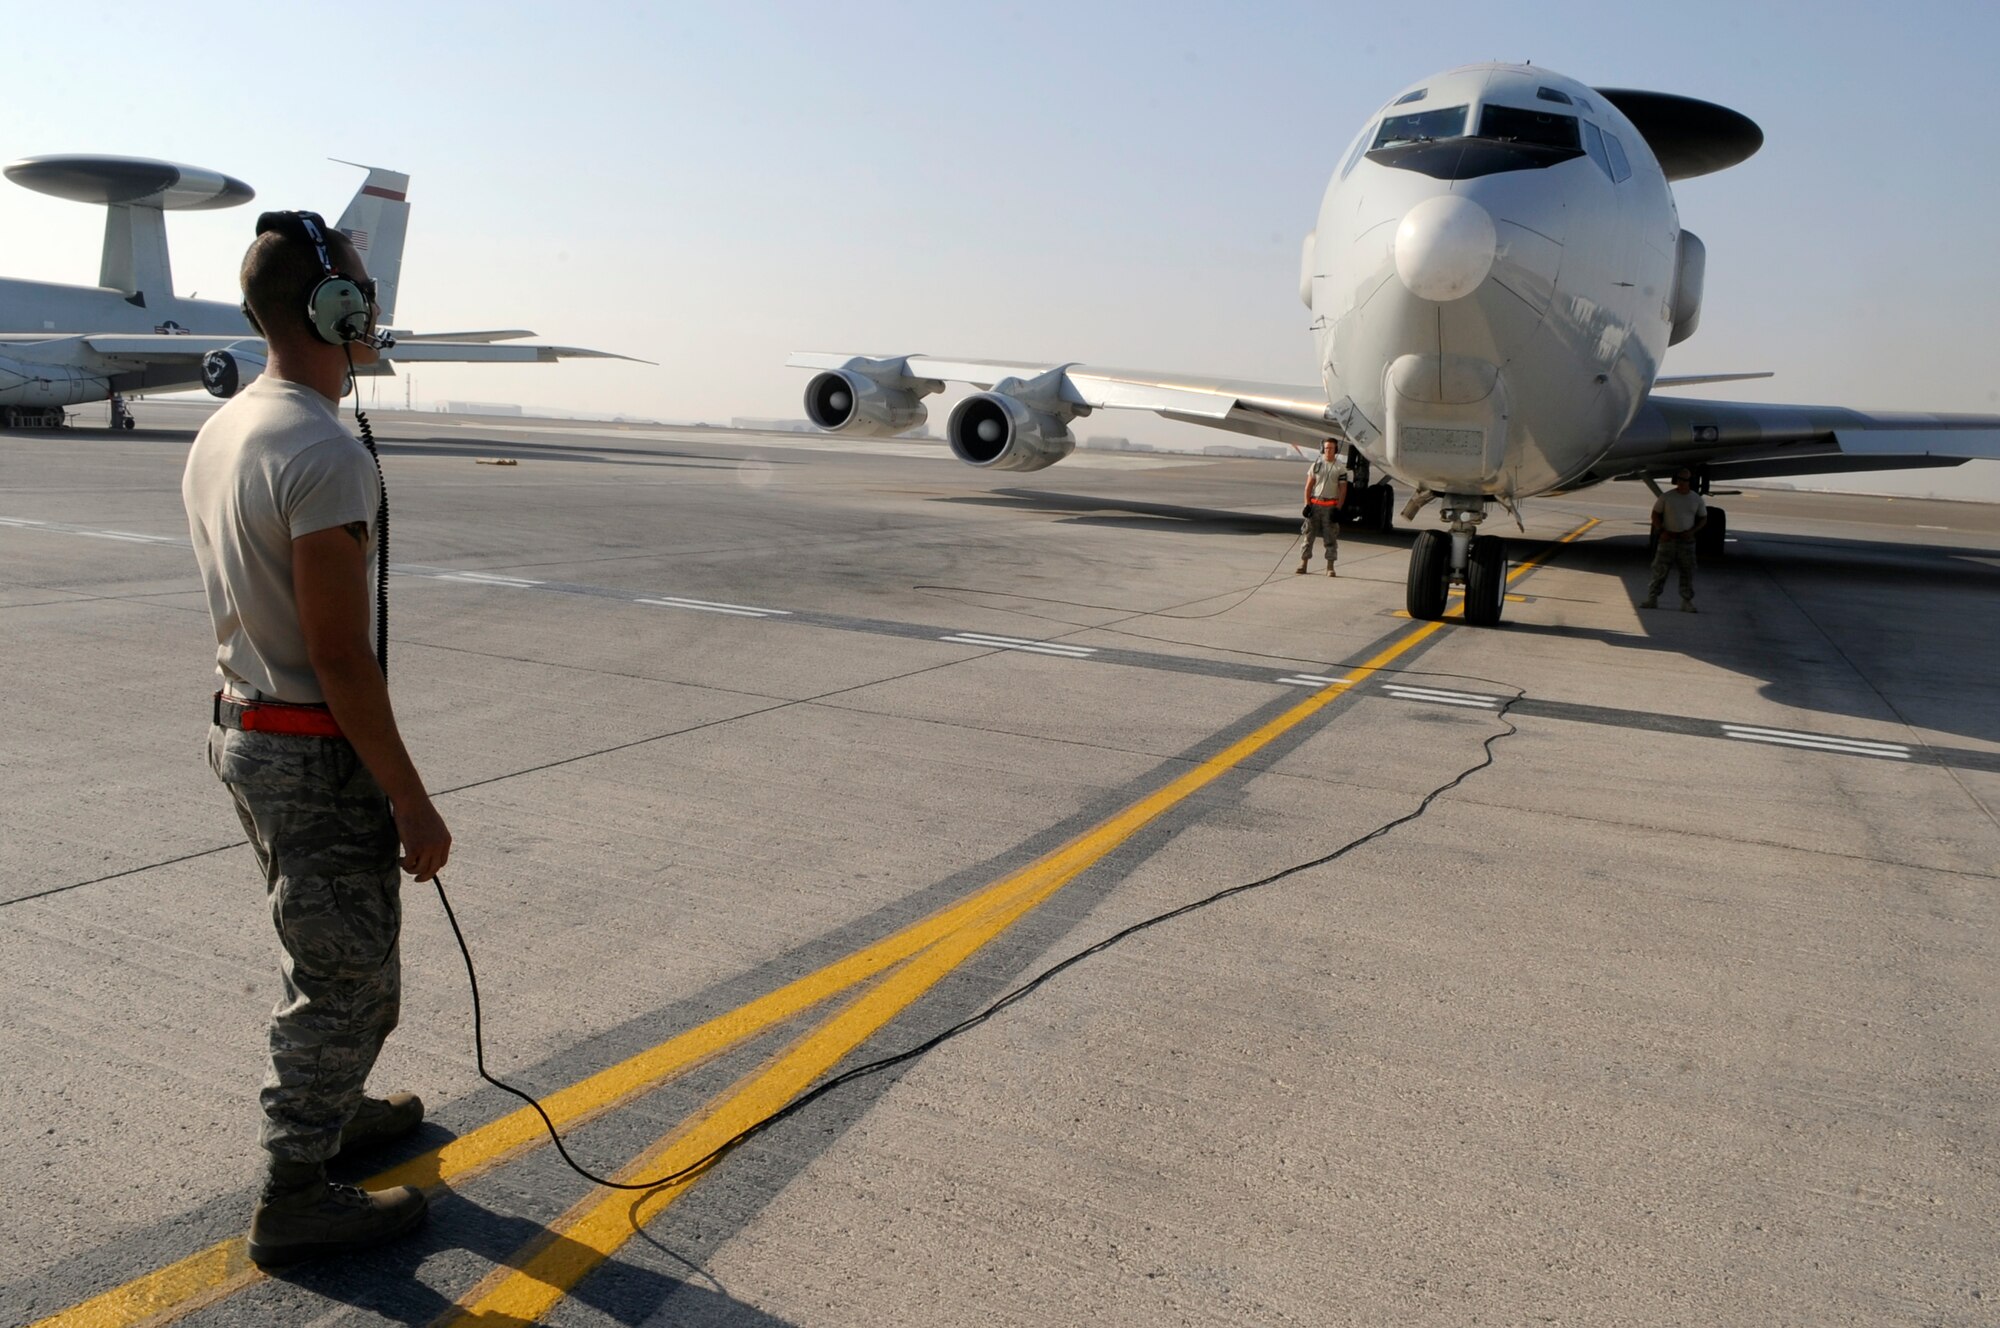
44 361
1492 279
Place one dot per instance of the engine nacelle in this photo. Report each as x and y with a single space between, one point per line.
26 383
1690 267
226 372
998 432
843 402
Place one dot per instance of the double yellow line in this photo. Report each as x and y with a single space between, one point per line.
884 979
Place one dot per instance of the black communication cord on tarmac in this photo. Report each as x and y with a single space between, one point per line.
965 1025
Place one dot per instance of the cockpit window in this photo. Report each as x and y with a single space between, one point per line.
1409 97
1545 129
1420 127
1593 143
1553 94
1621 169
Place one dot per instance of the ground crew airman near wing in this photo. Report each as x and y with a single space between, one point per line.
1678 516
1326 490
283 505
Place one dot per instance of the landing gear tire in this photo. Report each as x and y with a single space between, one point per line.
1430 575
129 423
1709 541
1485 580
1382 508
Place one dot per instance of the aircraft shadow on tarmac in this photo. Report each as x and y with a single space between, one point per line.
1127 513
1813 668
603 456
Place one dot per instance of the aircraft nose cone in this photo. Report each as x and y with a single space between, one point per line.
1445 247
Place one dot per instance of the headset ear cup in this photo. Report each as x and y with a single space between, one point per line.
338 311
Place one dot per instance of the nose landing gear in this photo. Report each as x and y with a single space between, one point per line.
1460 557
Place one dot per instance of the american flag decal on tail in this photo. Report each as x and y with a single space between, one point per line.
360 238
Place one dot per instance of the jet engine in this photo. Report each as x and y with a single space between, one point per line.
226 372
1690 265
841 401
999 432
27 383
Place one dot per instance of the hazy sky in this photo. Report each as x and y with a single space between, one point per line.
712 186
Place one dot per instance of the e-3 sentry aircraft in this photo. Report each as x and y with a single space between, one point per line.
64 345
1496 275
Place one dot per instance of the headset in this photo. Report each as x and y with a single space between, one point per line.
340 310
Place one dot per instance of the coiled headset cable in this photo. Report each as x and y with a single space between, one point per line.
381 519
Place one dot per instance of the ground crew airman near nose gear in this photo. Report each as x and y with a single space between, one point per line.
1678 516
274 482
1326 490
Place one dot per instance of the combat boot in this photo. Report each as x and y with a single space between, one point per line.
302 1215
379 1120
1650 602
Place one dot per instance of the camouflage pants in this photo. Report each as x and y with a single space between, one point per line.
1673 554
320 827
1323 522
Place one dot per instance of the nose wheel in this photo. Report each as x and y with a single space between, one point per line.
1440 560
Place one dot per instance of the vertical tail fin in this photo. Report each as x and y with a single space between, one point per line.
376 221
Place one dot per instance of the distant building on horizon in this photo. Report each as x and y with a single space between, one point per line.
478 408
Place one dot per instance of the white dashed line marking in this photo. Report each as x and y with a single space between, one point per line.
710 606
1436 697
1893 751
1016 643
1313 680
484 579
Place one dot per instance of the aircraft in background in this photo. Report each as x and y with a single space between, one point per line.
1497 272
64 345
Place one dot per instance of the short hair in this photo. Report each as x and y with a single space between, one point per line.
280 270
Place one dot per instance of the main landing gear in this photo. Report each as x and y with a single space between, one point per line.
1369 507
121 414
1459 557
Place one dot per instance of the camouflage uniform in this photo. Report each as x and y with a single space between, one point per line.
1676 553
321 829
1322 522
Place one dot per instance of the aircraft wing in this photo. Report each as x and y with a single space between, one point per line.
1277 411
161 347
1740 440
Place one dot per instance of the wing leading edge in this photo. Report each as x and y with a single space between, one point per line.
1742 440
1276 411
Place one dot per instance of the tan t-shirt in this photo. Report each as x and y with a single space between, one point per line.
273 464
1679 511
1326 477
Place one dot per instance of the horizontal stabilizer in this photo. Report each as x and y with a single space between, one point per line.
494 334
1689 380
488 352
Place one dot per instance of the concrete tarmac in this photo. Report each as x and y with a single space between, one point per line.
767 756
